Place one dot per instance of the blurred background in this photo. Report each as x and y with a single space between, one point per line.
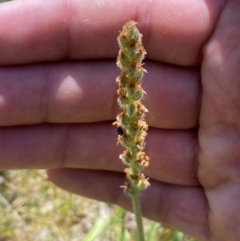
33 209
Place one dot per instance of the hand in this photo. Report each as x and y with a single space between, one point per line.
58 100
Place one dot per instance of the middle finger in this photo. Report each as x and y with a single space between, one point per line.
86 92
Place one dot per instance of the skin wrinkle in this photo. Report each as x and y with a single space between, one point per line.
67 13
67 21
225 121
221 148
218 84
130 12
199 98
64 147
168 146
192 199
53 110
198 103
228 96
164 212
204 47
164 209
220 6
220 104
115 105
195 151
187 81
45 99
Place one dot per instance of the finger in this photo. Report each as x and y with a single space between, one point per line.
183 208
36 31
219 135
75 92
93 146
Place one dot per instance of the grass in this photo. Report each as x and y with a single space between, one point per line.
33 209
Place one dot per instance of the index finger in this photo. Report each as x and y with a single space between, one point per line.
37 31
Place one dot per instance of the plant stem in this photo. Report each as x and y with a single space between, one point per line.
138 214
132 129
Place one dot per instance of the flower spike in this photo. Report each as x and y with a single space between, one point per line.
132 128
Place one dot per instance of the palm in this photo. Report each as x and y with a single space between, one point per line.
219 124
193 110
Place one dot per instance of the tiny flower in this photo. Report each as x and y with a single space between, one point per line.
132 128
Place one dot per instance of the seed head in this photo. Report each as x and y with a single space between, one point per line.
132 128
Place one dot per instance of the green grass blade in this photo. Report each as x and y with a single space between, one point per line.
101 223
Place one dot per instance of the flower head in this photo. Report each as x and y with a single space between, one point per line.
132 128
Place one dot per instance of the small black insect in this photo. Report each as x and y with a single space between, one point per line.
120 131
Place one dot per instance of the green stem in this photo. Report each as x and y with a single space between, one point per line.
138 214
